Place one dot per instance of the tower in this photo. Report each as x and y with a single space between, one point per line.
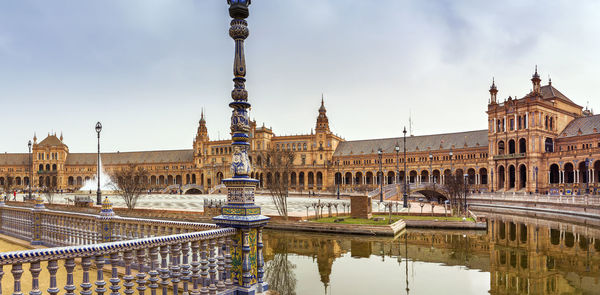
493 92
535 79
201 141
322 120
240 211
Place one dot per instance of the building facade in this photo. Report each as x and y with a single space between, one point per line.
542 142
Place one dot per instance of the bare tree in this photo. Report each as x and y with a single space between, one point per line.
278 166
7 184
131 182
455 187
49 191
279 272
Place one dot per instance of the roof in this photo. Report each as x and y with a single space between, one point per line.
51 140
434 142
14 159
585 124
549 92
172 156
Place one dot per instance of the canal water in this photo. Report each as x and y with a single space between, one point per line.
516 255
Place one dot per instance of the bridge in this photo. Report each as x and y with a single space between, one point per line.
431 191
172 256
185 189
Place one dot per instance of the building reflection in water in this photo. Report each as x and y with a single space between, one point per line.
522 255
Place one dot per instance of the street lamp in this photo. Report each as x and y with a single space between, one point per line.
536 179
431 167
493 181
587 173
397 149
30 169
466 179
380 153
404 195
338 180
98 193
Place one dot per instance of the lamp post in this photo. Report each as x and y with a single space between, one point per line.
339 179
466 179
30 170
536 179
397 149
405 194
380 153
430 167
98 193
587 173
493 181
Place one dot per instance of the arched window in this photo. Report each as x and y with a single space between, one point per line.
522 145
549 145
511 146
501 147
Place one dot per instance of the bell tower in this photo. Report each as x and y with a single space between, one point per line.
201 142
322 120
493 92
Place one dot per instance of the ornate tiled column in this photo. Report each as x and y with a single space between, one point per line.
38 211
240 211
105 224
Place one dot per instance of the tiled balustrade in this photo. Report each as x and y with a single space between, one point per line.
190 263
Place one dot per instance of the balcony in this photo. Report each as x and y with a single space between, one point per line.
510 156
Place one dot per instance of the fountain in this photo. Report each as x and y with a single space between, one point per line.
92 184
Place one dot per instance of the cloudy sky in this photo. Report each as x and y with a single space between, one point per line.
146 68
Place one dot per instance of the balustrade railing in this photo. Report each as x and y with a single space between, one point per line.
61 228
557 199
190 263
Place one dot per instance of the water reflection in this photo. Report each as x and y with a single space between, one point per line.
516 255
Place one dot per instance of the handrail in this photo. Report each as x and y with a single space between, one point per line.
108 248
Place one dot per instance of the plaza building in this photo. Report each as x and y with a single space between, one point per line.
541 142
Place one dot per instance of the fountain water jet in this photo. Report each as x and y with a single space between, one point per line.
105 182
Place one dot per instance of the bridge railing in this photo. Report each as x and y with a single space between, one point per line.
559 199
200 262
53 228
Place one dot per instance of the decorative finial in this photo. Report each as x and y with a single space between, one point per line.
107 209
549 80
61 136
39 203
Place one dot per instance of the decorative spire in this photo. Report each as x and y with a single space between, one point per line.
107 209
202 121
34 138
535 79
493 92
61 136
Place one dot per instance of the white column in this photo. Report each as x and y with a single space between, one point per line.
592 176
549 179
527 120
577 176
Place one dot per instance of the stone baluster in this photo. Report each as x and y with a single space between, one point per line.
86 286
154 264
174 267
195 268
221 264
141 275
100 283
204 268
114 275
185 267
17 272
164 270
128 278
1 270
70 286
228 281
35 270
212 264
52 269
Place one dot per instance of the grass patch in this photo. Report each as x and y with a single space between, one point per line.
395 218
